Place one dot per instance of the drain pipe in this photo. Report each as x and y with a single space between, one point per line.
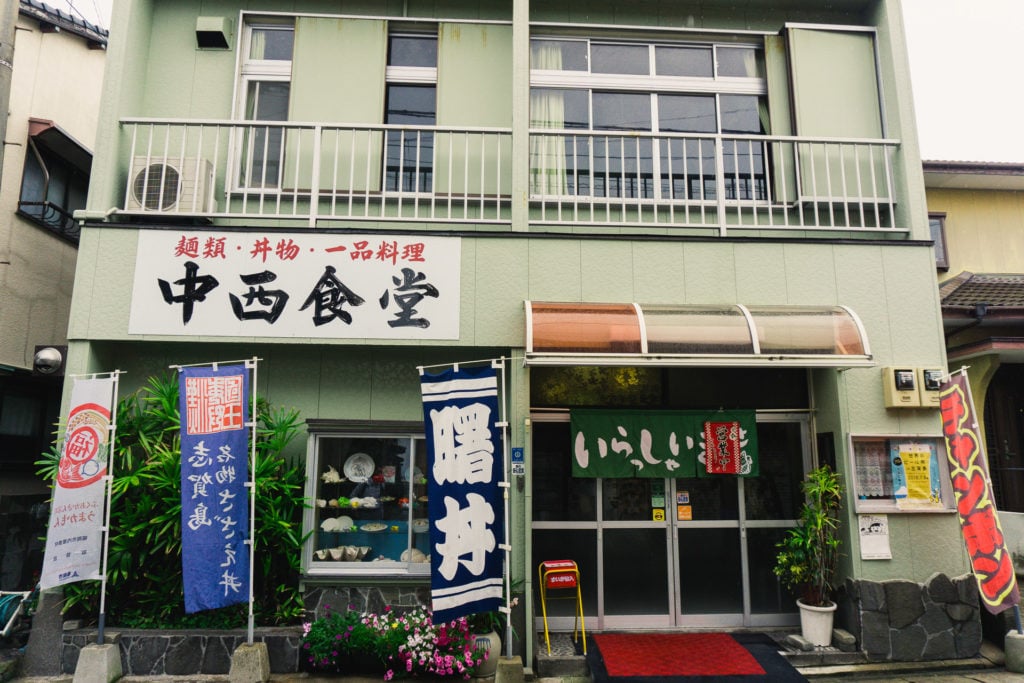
8 27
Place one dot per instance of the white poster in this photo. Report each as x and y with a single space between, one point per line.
74 539
874 537
267 284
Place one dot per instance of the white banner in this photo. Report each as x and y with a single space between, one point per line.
74 540
265 284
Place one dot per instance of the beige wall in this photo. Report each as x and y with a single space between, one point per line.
983 230
56 77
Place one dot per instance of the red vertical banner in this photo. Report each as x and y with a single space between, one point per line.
975 504
722 441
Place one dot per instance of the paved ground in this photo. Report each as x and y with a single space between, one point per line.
989 668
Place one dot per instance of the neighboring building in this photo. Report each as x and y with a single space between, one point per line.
670 206
976 212
56 82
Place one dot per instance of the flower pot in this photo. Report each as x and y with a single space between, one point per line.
816 623
488 644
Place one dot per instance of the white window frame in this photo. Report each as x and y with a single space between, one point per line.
249 71
654 85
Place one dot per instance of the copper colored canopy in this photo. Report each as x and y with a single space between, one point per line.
696 334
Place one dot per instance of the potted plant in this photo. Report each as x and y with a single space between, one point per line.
808 556
488 628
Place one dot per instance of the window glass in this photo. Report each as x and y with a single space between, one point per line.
262 146
370 502
740 114
412 51
622 111
936 224
271 43
558 55
687 113
415 104
557 495
52 192
894 474
410 152
683 61
620 59
268 100
559 108
33 181
739 62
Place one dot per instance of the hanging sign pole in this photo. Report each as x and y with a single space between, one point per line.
101 622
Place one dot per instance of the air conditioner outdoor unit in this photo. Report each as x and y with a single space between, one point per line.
170 185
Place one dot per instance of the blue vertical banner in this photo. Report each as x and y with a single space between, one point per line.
466 506
214 502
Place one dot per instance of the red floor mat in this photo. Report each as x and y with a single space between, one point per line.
675 654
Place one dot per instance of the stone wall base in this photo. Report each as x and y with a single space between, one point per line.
904 621
185 653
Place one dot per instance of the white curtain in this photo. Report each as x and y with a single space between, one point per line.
547 110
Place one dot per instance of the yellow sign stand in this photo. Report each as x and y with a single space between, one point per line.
557 575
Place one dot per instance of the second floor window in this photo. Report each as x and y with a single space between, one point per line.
410 100
678 97
266 74
937 226
52 189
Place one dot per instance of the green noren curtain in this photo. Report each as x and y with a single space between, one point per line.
651 443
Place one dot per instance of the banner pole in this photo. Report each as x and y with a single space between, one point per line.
109 477
506 484
252 498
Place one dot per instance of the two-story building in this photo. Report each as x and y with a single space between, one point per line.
661 215
56 77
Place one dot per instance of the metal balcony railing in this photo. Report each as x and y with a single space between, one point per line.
52 217
315 172
720 181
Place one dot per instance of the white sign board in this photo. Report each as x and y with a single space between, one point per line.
267 284
874 537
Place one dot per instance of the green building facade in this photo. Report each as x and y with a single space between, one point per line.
702 208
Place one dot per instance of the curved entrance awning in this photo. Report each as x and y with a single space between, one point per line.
694 335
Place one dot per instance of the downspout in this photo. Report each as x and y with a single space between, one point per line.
42 167
8 25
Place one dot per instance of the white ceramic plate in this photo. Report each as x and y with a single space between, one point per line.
374 526
359 467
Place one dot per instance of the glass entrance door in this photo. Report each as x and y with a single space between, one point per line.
657 553
637 588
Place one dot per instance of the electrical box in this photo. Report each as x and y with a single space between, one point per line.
899 385
929 385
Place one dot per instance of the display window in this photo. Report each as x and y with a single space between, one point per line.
900 474
368 512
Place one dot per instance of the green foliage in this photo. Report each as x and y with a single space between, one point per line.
144 578
329 639
591 386
808 556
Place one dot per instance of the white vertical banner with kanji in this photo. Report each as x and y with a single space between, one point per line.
466 506
74 539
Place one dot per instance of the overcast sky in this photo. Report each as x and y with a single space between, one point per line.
963 59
